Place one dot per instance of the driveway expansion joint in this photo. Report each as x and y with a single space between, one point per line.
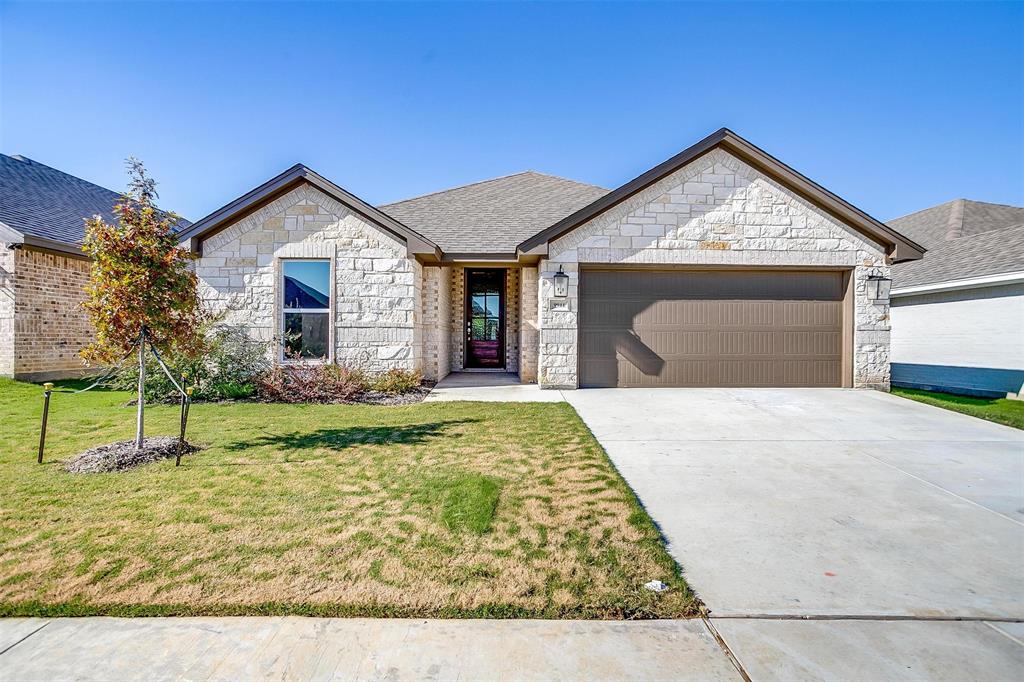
725 648
8 648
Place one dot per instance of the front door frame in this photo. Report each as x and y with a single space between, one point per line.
467 315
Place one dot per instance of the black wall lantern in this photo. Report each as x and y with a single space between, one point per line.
561 283
878 287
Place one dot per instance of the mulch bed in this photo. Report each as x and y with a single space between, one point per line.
123 455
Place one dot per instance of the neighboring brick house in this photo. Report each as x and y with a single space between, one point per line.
43 271
719 267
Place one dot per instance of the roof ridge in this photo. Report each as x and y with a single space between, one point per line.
953 201
992 203
22 159
452 189
488 180
955 223
922 210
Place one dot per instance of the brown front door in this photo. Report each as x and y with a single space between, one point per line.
711 328
485 318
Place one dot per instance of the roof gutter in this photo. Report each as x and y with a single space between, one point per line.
960 284
16 240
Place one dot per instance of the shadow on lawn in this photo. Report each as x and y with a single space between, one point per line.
339 439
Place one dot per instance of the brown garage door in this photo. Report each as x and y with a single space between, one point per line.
710 328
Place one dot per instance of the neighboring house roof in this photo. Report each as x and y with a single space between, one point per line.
899 247
45 207
494 216
289 180
300 295
965 239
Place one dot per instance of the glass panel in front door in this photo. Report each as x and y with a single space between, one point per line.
486 291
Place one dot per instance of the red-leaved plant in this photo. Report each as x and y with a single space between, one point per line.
140 280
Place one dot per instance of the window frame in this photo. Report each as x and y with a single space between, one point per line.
283 311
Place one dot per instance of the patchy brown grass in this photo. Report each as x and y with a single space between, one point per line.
437 509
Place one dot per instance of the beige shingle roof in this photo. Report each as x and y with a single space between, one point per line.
493 216
964 239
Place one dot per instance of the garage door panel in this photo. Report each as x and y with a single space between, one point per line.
710 328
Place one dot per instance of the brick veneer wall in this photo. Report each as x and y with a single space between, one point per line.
376 299
457 300
529 332
42 324
715 211
512 320
437 312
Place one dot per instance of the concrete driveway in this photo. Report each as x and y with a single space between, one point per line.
887 521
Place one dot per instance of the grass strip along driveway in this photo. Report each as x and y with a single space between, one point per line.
999 410
436 509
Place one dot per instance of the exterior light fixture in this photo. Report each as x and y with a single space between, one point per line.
561 283
878 287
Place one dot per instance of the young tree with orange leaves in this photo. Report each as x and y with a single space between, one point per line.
141 289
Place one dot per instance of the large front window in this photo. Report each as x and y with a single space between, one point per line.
306 306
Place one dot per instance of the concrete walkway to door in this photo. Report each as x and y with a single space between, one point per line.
502 387
874 515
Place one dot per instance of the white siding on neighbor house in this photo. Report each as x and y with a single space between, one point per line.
981 327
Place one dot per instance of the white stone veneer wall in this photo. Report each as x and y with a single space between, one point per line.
377 306
715 211
6 311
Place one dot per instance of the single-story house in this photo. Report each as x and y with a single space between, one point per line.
721 266
43 271
958 314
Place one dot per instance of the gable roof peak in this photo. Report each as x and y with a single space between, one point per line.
287 181
898 246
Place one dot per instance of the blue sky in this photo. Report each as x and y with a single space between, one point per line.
895 107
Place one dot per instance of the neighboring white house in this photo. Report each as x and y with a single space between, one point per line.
958 313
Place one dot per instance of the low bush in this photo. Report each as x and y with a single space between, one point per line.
228 370
396 381
311 383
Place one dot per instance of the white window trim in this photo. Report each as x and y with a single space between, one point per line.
329 311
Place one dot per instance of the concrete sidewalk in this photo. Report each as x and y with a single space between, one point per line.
357 649
123 649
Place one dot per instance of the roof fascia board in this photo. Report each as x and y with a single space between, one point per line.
9 235
54 246
509 257
899 247
252 200
958 284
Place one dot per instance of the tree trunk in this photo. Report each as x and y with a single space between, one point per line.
142 388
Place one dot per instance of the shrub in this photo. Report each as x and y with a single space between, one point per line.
228 370
311 383
396 381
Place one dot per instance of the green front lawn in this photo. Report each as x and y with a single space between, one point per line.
436 509
1001 410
